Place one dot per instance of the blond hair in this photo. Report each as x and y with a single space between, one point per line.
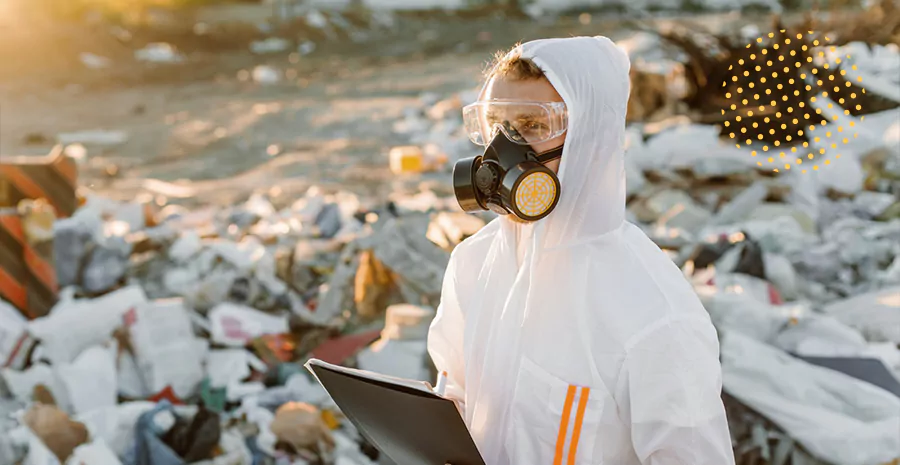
511 65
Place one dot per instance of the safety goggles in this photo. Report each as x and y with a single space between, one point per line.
525 123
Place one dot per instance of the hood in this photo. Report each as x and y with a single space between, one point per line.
591 75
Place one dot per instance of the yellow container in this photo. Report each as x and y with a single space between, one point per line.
407 159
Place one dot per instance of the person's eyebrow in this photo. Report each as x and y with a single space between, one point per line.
490 114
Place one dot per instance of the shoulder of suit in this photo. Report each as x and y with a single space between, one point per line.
477 241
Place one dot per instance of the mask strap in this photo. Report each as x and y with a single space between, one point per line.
550 155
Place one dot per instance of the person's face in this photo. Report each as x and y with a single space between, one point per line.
539 90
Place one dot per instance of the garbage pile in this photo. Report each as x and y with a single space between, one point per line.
796 257
260 28
179 336
712 76
878 24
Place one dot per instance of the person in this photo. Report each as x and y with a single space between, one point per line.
573 339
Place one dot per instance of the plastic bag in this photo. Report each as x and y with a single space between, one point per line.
196 438
73 326
834 416
91 379
236 325
95 453
875 314
166 350
227 366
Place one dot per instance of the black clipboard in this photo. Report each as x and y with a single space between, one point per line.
402 418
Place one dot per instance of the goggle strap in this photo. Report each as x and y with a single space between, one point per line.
550 154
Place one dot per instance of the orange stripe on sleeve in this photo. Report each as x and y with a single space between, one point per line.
579 417
564 426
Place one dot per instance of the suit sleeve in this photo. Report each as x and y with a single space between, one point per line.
445 338
671 388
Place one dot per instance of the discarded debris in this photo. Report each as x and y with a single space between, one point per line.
159 53
301 427
59 434
93 137
406 160
270 45
94 61
266 75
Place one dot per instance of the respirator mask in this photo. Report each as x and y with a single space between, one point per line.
510 177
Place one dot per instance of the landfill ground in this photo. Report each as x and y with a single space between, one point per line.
329 123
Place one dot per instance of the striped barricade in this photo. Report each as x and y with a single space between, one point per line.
53 177
27 273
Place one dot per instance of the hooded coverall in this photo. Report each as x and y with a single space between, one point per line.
591 347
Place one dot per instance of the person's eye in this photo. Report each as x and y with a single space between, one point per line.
533 126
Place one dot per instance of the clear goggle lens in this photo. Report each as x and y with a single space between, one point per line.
525 123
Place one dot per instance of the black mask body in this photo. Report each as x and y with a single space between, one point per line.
508 179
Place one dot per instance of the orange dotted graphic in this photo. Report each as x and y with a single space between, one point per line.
770 102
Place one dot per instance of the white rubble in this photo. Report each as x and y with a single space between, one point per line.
266 75
831 414
90 380
92 61
159 53
235 325
875 314
165 348
99 137
270 45
73 326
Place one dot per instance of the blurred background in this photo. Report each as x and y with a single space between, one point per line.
197 196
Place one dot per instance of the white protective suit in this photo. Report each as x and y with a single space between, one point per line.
593 349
